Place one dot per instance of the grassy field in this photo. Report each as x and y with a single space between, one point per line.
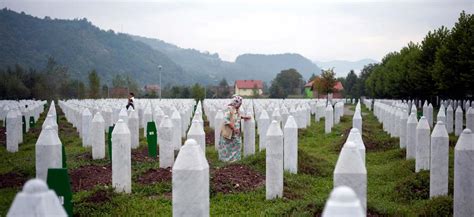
394 189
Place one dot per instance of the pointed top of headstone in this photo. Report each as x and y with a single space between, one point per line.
440 130
291 123
219 114
48 136
195 128
441 113
264 115
274 129
343 201
86 112
98 117
190 157
450 108
329 107
430 106
36 200
465 140
11 114
423 123
459 109
349 160
120 128
166 122
175 115
412 118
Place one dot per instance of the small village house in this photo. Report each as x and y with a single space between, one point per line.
248 87
311 92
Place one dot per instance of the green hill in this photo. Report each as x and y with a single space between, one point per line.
81 46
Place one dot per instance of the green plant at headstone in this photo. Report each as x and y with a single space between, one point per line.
109 141
32 122
151 138
58 180
23 124
64 157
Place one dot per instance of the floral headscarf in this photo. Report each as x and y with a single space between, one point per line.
236 101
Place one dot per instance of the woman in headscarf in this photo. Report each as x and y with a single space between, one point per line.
230 148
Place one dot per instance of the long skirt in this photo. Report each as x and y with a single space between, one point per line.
230 149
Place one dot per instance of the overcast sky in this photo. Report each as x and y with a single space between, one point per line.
319 30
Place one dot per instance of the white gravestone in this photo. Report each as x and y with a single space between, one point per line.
249 136
36 200
98 136
350 171
458 121
190 180
290 132
411 136
422 145
343 201
274 162
165 139
48 152
439 163
464 175
121 158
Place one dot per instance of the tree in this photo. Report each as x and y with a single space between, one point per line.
197 92
94 85
105 91
350 85
285 83
326 83
119 81
81 90
223 90
312 77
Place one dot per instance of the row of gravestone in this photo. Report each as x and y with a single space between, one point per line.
18 117
121 143
430 148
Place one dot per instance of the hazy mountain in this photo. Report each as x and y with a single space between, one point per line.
246 66
269 65
342 67
81 46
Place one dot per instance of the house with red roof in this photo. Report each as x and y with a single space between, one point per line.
311 92
248 87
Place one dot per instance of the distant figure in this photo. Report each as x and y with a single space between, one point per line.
229 148
131 99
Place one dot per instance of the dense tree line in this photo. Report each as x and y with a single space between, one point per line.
441 65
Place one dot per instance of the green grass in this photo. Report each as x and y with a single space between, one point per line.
389 177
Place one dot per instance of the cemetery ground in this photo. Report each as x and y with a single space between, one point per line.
394 189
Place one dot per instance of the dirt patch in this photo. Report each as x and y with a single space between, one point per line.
141 155
155 175
87 177
210 139
3 136
235 178
100 196
12 180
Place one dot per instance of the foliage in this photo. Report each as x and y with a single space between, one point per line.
223 89
325 83
285 83
350 85
440 66
197 92
94 85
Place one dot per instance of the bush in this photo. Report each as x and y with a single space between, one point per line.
414 187
438 206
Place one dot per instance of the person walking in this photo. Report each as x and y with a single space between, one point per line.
230 143
131 99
